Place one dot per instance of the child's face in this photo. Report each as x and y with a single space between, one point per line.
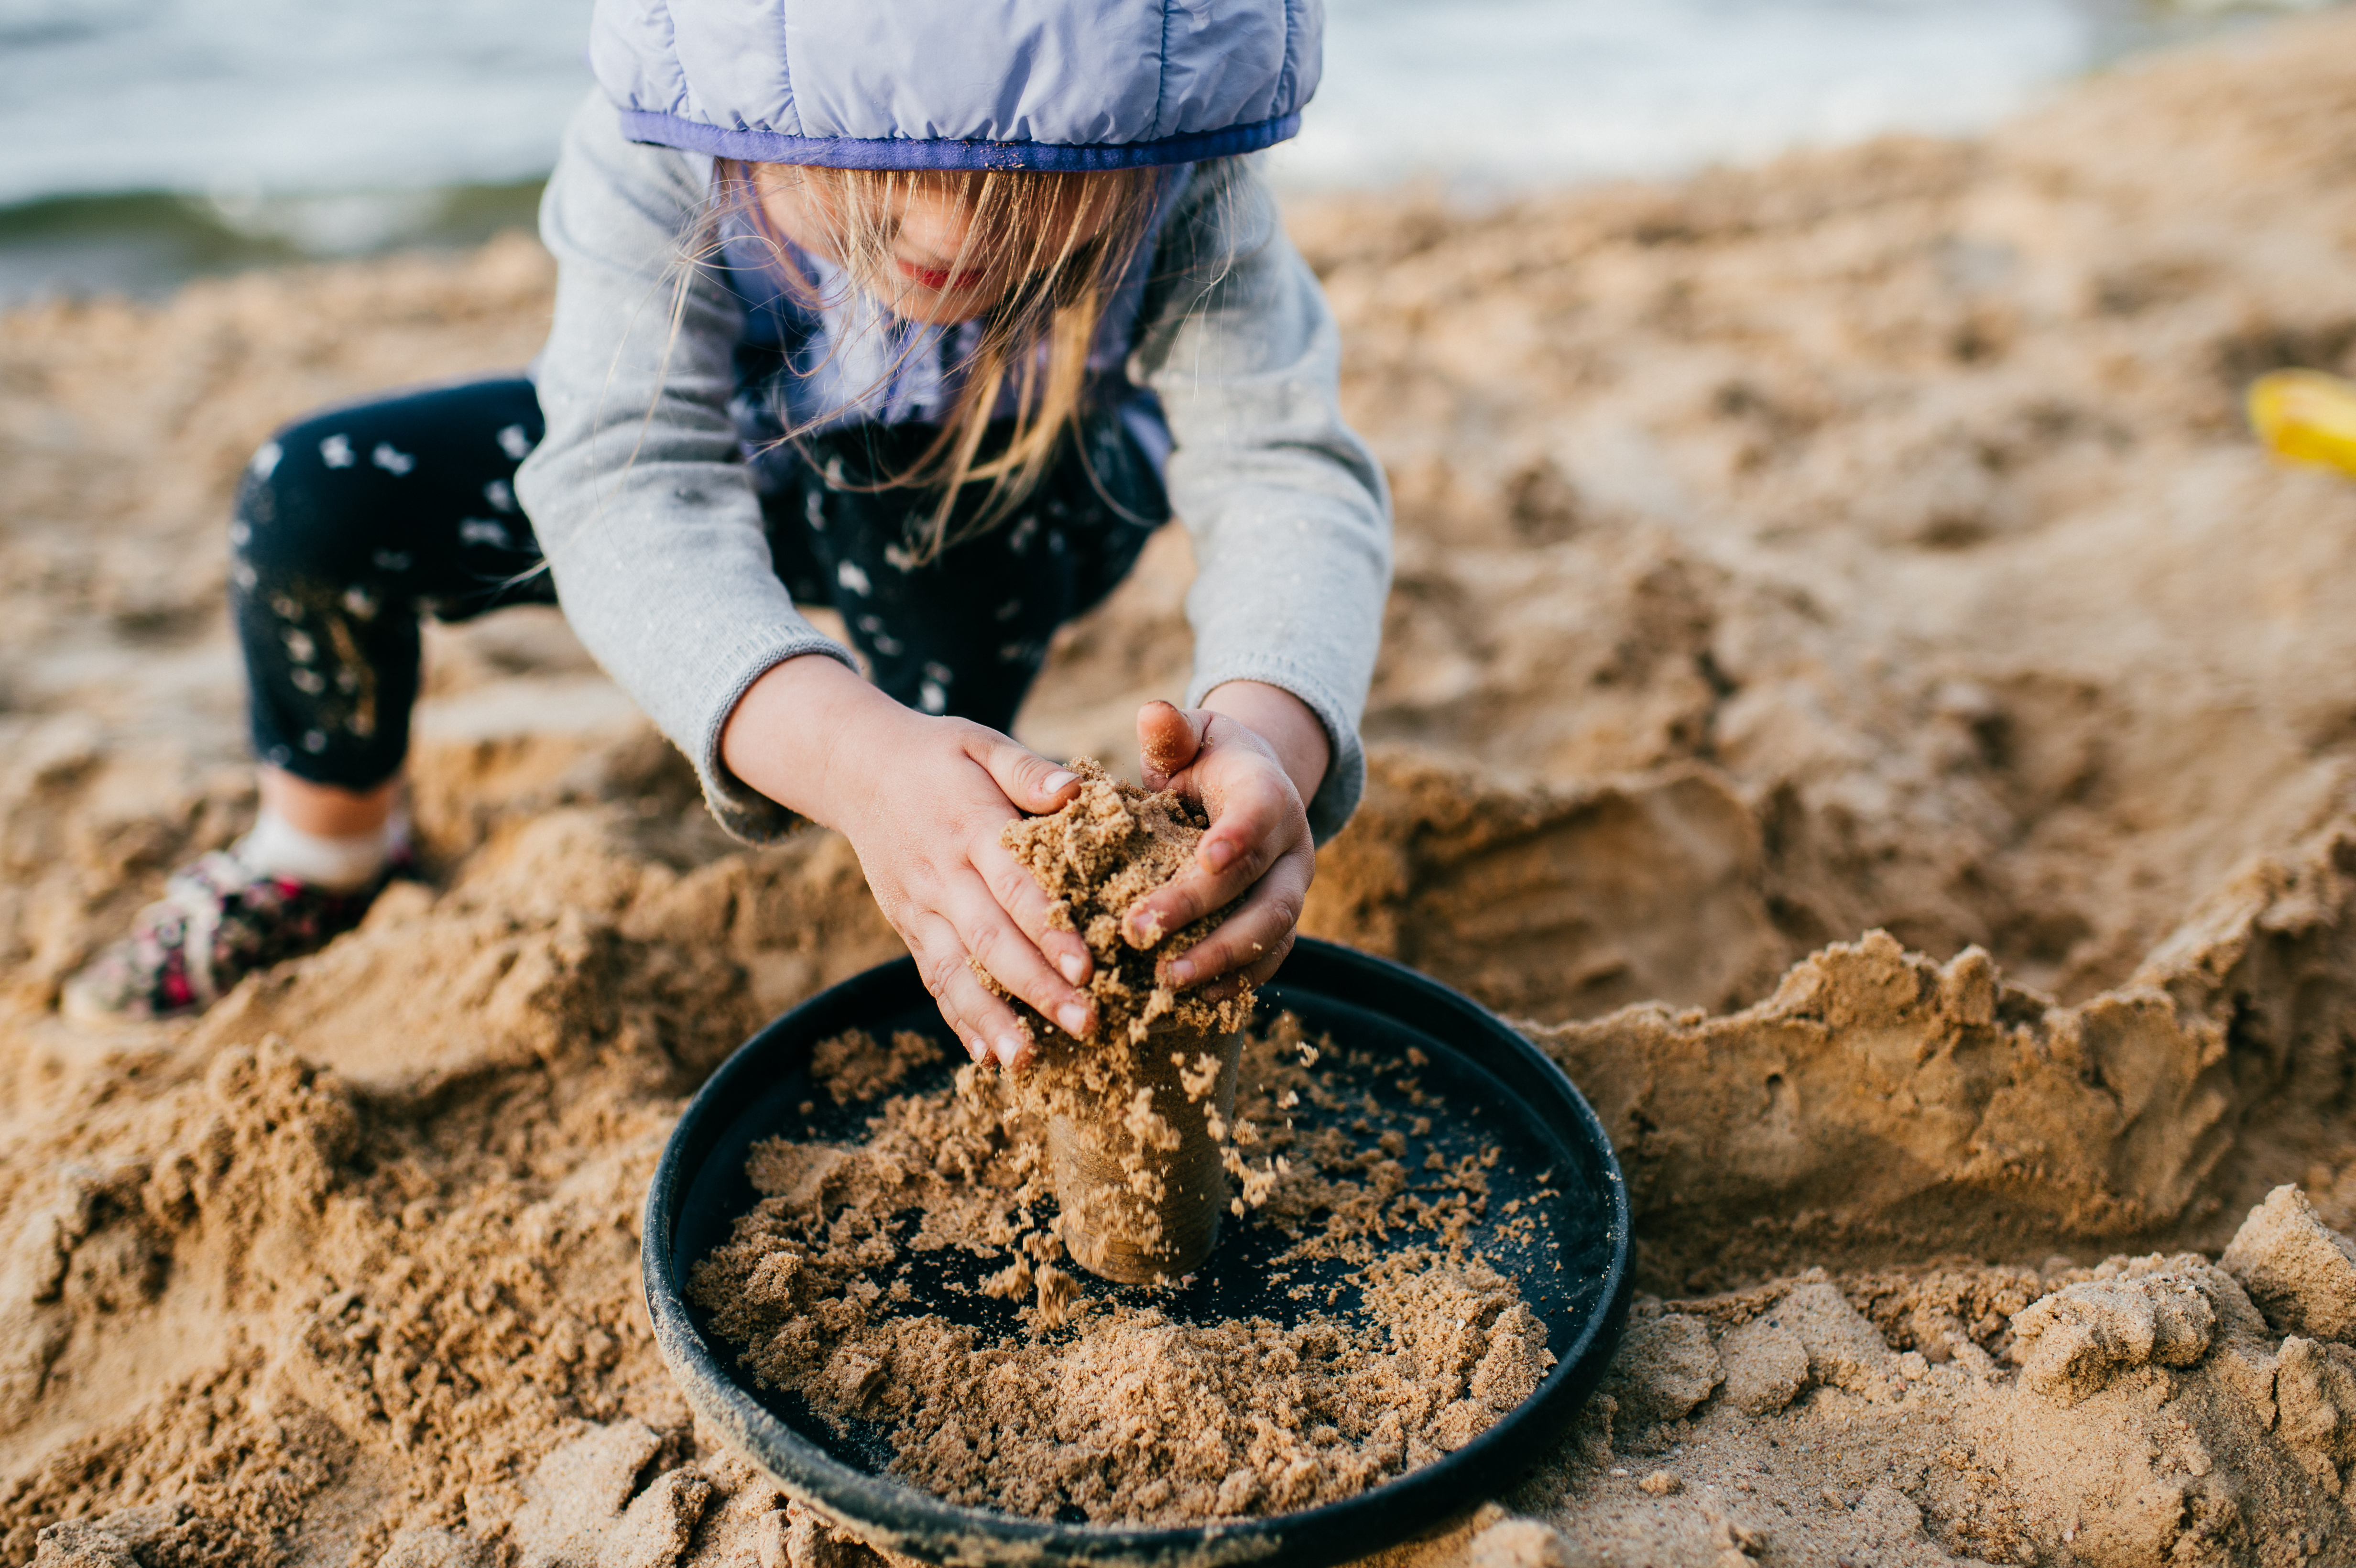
941 265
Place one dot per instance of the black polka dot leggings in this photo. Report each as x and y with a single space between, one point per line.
353 523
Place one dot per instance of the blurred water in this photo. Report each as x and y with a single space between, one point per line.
248 98
1490 93
144 140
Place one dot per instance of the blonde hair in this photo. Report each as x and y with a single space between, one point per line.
1066 242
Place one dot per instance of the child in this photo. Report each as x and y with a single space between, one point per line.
932 312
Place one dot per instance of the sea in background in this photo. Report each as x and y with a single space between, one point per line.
145 142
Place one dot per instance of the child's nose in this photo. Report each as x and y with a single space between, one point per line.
935 225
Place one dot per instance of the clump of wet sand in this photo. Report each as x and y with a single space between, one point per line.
1135 1116
1852 686
1096 858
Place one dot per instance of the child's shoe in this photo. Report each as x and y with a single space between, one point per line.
218 921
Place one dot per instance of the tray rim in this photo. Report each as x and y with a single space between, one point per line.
909 1521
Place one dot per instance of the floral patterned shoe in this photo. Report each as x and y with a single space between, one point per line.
218 921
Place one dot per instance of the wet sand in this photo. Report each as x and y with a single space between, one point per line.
1852 686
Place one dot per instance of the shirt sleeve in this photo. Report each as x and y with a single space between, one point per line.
1287 507
649 523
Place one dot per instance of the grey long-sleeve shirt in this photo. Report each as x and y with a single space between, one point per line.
654 533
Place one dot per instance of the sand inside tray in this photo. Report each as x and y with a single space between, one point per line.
1401 1341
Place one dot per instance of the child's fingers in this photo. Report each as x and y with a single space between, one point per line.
1029 780
1243 841
1254 939
985 1025
998 945
1029 906
1168 737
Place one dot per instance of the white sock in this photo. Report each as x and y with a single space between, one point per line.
277 848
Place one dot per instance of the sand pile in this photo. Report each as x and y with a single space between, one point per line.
1865 542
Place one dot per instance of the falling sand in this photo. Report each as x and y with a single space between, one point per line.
1852 688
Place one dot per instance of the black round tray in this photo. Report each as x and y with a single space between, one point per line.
1498 1090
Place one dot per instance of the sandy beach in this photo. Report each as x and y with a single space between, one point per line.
1854 693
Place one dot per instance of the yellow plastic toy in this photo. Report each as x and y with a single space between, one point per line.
2306 417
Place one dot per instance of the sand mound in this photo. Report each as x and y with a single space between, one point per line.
1851 684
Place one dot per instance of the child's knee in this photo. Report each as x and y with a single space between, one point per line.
294 503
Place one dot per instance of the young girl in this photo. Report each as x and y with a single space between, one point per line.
931 311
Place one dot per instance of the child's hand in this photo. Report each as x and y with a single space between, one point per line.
923 800
1252 754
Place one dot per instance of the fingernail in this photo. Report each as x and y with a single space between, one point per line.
1218 853
1009 1048
1074 1017
973 1049
1058 779
1075 968
1183 971
1144 929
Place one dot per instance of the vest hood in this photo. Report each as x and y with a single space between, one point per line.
959 84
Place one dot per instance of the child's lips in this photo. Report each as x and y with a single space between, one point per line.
940 280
